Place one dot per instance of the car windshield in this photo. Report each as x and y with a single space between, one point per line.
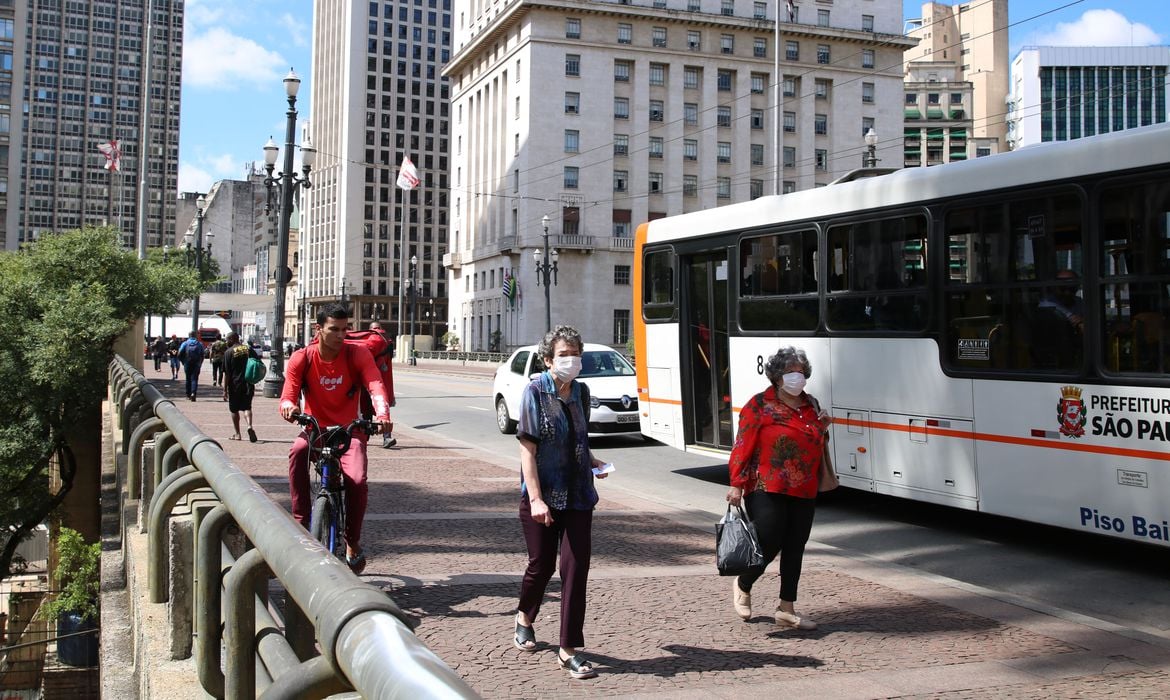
605 363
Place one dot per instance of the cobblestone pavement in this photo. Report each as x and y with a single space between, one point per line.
444 541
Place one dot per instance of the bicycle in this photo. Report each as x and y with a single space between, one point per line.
326 446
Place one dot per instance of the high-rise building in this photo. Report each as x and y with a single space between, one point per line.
973 36
606 115
1061 93
82 69
938 126
378 97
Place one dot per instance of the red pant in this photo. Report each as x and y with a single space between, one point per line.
357 492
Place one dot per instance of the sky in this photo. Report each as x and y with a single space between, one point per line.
237 53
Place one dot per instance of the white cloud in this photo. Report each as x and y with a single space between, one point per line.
200 13
1097 28
192 178
297 29
220 59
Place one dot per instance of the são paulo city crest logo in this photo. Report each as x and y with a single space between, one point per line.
1070 412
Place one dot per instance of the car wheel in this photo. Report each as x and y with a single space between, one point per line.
504 421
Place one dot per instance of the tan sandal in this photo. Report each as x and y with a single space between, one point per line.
794 621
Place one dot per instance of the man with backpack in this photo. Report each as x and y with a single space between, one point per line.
237 390
217 350
331 372
191 354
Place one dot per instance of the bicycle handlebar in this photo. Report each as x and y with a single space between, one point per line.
369 427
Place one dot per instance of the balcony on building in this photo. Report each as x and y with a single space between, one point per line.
452 261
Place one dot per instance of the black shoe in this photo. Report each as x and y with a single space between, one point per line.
389 442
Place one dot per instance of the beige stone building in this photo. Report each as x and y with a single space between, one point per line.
939 123
602 115
973 37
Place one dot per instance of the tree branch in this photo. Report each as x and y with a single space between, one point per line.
35 517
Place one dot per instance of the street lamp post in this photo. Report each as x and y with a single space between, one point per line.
286 180
166 261
301 315
197 239
431 313
543 271
871 159
413 305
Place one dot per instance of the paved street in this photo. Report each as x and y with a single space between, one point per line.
444 541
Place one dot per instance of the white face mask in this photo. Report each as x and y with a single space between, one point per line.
793 383
566 368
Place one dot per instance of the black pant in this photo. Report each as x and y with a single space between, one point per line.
783 524
571 532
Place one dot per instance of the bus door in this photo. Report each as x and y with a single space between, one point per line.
707 405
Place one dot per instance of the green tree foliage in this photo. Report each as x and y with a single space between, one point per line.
78 575
64 300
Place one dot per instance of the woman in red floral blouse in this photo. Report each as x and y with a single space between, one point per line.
775 466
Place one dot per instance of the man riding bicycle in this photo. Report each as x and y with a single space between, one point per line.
331 374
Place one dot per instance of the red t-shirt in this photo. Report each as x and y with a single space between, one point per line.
777 449
334 388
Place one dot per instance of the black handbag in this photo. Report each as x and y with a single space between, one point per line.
737 548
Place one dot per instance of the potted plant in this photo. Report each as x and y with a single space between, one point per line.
75 606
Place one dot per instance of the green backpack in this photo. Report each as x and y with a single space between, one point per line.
254 371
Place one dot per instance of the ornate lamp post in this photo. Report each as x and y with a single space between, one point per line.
871 159
543 271
431 314
286 180
197 240
413 305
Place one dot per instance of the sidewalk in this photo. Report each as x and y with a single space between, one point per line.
443 540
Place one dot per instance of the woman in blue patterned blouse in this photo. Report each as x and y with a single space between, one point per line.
557 495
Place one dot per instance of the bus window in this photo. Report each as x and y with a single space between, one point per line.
1135 277
778 282
1013 296
877 275
658 286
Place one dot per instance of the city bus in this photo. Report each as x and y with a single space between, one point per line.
992 335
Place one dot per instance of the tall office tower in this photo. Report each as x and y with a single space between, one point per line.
82 69
378 97
938 117
973 36
1061 93
606 115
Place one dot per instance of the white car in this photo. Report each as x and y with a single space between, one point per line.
610 377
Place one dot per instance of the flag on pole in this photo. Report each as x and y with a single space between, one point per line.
511 286
791 12
407 175
113 153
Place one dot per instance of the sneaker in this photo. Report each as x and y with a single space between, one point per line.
251 435
389 442
740 600
787 619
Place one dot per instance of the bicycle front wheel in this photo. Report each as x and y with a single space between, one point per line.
326 527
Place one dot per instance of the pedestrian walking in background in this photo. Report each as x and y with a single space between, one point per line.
237 391
386 367
217 349
159 348
775 470
191 354
173 355
557 496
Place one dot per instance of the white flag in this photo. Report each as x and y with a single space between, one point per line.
407 175
113 154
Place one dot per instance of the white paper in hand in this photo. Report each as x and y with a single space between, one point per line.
603 469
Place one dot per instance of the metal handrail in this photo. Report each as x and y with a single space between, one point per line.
321 585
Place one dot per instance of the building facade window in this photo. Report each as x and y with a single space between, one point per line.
572 102
654 183
690 149
570 179
694 40
621 275
572 141
867 23
656 147
823 54
822 88
822 18
691 77
760 47
866 125
723 187
759 83
658 74
757 154
727 7
690 114
657 111
724 80
756 189
790 122
572 65
867 58
621 108
621 178
727 44
723 151
625 33
621 71
789 156
621 144
792 50
572 28
723 116
822 159
760 10
867 93
621 326
658 37
690 185
821 124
